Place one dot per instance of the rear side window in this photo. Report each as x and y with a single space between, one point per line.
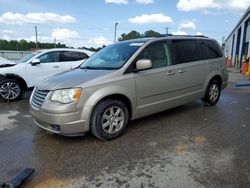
210 49
72 56
186 51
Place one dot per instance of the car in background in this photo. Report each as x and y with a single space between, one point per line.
5 62
33 68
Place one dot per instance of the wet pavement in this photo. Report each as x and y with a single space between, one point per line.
190 146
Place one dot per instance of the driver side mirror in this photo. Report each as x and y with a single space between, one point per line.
35 62
143 64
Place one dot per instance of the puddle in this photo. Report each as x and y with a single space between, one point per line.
27 116
6 122
164 171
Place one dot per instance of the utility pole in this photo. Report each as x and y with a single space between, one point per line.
55 42
36 37
1 42
116 24
167 31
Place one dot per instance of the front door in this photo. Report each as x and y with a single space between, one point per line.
154 87
49 66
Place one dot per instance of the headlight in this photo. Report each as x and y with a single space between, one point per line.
66 95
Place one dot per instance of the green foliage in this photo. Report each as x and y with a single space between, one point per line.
151 33
130 35
24 45
135 34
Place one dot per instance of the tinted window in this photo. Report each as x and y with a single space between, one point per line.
49 57
158 53
210 49
72 56
186 51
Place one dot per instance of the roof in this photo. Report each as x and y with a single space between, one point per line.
88 52
240 21
169 36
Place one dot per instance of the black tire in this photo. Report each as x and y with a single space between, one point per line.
10 90
99 115
213 92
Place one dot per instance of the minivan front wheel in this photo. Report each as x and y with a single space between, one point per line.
109 119
213 93
10 89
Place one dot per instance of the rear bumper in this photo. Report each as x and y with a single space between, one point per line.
224 85
68 124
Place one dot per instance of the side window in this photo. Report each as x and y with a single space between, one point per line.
186 51
210 49
72 56
158 53
50 57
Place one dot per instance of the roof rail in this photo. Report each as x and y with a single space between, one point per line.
166 35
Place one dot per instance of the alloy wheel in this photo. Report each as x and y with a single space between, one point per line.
10 90
214 92
113 120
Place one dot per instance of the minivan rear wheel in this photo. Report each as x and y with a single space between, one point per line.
109 119
213 91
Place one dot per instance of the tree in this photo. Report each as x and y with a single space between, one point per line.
131 35
151 33
135 34
25 45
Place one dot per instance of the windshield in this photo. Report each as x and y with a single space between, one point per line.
113 56
26 58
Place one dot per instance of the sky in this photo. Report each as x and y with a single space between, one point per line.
91 23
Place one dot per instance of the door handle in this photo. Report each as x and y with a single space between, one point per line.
169 73
182 71
56 66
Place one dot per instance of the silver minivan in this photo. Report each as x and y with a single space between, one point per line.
130 80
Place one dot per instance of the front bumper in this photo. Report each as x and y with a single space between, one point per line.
68 124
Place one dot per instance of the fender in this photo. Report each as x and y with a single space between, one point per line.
2 77
209 77
100 94
11 75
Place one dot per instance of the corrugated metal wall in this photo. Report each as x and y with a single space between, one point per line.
237 44
13 55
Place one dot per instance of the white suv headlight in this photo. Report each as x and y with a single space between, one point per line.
66 95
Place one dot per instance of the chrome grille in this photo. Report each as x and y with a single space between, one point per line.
39 97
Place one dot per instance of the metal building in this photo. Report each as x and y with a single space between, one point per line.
236 46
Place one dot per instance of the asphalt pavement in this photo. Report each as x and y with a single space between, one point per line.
190 146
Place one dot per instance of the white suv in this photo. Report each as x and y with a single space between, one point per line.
29 71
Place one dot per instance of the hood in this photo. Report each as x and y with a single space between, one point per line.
71 78
6 63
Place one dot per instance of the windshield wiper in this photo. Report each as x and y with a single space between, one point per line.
87 67
99 68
